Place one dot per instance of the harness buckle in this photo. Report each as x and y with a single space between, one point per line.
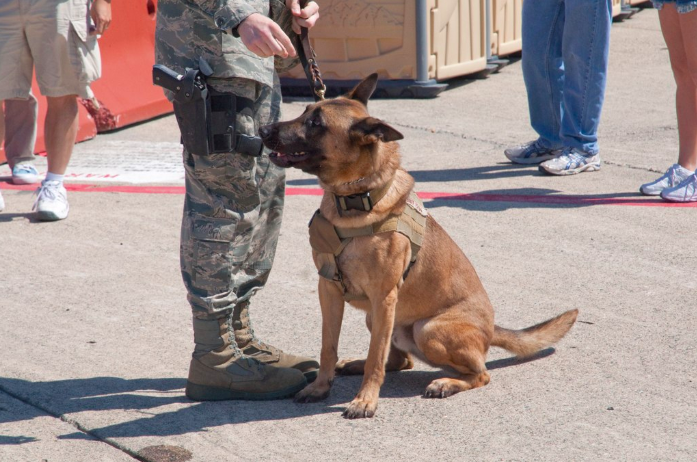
362 202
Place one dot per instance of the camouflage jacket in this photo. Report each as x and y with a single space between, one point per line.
188 30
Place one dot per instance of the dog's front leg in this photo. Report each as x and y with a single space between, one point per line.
332 303
366 401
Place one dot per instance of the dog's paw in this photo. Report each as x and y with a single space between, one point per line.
360 409
312 393
350 367
442 388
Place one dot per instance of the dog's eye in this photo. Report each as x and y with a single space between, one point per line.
315 122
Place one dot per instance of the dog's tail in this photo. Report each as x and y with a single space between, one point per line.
525 342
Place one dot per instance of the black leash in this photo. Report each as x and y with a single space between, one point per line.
308 58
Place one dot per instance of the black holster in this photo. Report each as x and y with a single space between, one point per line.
206 118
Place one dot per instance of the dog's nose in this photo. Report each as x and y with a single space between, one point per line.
265 131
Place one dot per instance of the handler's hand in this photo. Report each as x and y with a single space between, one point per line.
305 17
264 37
101 16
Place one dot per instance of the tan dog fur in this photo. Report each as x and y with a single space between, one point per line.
440 313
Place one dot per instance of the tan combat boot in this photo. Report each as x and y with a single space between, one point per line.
253 347
219 370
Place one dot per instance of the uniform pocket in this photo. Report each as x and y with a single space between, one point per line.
229 179
212 254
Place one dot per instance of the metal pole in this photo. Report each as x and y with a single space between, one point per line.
421 41
487 29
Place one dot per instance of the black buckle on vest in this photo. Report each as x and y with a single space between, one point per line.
362 202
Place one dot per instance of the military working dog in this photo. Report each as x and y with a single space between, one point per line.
376 247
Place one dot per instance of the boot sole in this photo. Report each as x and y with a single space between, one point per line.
197 392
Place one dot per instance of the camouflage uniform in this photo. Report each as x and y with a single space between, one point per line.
234 202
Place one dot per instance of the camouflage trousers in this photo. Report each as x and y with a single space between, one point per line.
232 212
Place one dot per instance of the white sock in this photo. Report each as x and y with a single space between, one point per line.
54 177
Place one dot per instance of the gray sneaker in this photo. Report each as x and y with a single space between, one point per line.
684 192
530 153
571 162
675 175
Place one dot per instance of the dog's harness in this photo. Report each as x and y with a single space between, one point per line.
329 241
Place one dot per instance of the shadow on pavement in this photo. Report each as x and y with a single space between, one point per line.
303 182
490 172
142 400
502 170
8 217
498 200
7 440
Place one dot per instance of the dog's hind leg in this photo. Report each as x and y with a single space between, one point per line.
397 360
453 345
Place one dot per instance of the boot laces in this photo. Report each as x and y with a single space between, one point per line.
254 336
250 362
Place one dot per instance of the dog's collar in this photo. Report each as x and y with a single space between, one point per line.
362 201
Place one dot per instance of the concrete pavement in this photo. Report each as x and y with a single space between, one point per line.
96 331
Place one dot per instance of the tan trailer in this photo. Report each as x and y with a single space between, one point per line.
413 43
506 29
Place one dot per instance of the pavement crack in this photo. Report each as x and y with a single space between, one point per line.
81 428
633 167
451 133
503 145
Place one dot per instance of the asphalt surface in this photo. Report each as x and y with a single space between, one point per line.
96 331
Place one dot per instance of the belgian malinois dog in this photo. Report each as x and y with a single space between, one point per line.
433 308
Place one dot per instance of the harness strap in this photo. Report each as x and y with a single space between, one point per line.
329 241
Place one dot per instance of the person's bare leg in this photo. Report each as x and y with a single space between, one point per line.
688 27
2 125
680 33
60 130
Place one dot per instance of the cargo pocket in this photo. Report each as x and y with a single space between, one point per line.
226 180
84 52
212 265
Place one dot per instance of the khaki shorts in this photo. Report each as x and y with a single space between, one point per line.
52 36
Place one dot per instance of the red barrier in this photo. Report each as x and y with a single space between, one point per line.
125 90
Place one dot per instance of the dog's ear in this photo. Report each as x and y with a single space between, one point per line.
364 90
371 130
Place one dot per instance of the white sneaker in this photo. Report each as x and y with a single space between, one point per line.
25 173
675 175
2 203
684 192
51 201
571 162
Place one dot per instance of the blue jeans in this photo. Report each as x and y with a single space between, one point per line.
565 52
